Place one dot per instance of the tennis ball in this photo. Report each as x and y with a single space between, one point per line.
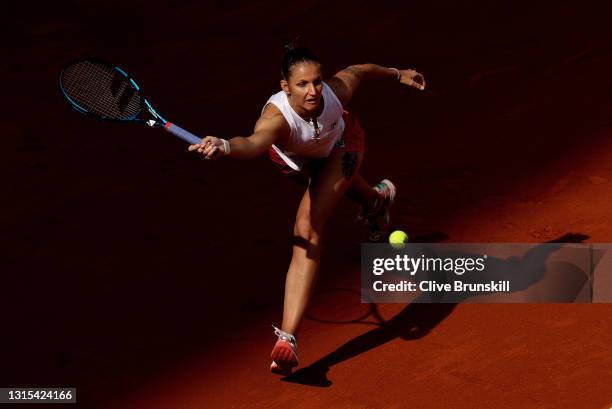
398 238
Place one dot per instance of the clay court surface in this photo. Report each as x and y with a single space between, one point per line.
148 278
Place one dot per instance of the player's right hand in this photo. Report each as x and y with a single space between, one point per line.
211 147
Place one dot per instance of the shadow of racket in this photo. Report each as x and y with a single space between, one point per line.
340 308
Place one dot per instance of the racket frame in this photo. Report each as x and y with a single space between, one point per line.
134 118
158 121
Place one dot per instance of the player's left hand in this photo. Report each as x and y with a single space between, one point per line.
413 79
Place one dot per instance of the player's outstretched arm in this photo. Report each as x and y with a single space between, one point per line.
346 82
269 128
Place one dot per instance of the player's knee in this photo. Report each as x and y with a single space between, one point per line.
305 230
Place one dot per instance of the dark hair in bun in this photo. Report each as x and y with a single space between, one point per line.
295 54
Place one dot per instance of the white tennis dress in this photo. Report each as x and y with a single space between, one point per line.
303 143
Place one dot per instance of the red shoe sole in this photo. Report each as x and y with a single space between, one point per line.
283 354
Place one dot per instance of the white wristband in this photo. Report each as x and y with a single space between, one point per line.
399 75
226 147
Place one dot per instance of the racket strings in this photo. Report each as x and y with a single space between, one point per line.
101 90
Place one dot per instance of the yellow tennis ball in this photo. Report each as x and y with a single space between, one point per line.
398 238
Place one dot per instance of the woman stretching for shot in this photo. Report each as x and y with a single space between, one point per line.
311 136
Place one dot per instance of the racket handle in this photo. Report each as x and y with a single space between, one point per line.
181 133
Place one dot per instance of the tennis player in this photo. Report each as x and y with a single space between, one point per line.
311 137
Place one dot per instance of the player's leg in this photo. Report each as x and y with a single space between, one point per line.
375 200
326 188
363 193
319 200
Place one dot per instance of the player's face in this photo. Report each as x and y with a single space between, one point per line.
304 87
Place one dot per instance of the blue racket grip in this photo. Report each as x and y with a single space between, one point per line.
181 133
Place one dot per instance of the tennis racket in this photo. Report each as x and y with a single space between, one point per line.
104 91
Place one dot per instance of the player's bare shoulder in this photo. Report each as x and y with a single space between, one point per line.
272 120
271 111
